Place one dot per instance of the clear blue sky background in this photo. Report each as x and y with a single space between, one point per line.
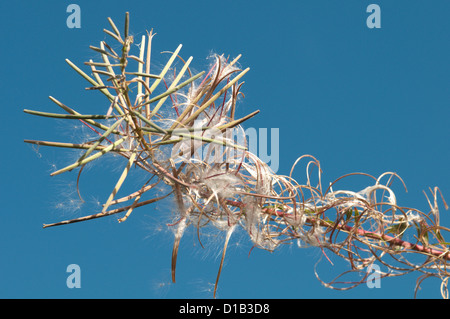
358 99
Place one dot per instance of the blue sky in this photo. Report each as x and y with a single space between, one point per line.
358 99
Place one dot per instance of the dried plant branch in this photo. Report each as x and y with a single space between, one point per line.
162 136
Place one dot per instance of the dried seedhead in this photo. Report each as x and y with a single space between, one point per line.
180 129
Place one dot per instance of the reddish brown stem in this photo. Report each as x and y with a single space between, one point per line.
361 232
